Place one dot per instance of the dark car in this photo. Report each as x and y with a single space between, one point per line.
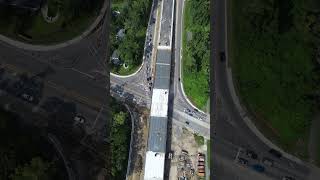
275 153
1 72
243 161
287 178
187 122
222 56
258 168
251 154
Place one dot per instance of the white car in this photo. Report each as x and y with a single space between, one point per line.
79 119
199 118
27 97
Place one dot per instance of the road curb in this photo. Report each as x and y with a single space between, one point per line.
27 46
130 75
144 48
249 122
181 78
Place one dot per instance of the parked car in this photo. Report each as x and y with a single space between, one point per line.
258 168
287 178
170 155
199 118
275 153
184 152
267 161
27 97
251 154
186 110
243 161
79 119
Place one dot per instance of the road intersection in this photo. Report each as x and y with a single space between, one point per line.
79 73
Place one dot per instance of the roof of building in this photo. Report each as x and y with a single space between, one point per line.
154 168
157 134
121 33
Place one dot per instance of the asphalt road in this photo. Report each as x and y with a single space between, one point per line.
75 73
138 86
198 121
229 127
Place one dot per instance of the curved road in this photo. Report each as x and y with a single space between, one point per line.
232 135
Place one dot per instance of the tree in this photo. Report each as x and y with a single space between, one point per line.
35 170
119 118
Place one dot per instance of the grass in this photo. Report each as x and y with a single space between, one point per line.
43 32
274 73
199 139
195 84
122 71
52 8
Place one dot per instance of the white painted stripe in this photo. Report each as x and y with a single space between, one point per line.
237 156
164 47
164 64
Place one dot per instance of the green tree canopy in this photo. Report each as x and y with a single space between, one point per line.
35 170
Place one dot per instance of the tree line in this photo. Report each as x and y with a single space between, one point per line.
134 19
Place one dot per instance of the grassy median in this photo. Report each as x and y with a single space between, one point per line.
195 53
273 47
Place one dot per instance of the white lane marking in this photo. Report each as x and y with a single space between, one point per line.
76 70
163 64
238 153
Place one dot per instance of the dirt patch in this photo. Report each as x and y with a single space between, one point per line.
185 150
139 145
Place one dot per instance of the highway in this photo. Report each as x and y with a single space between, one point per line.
232 136
139 86
81 69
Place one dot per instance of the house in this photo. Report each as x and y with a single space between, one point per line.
115 59
120 34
